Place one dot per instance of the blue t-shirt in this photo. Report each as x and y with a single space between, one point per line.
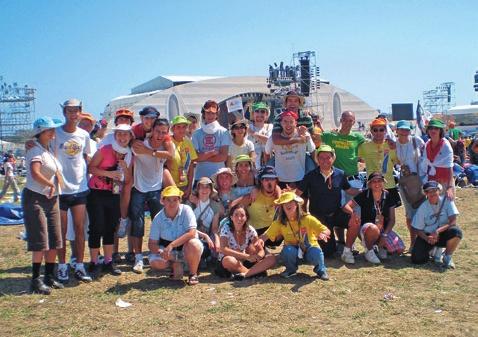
168 229
204 142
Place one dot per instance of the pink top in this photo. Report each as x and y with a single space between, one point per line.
109 163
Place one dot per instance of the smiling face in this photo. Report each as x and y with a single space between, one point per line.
347 121
292 103
210 115
288 124
239 218
147 122
243 167
376 184
239 131
179 130
260 116
159 133
325 160
204 191
72 114
123 137
403 134
224 181
269 185
378 133
46 136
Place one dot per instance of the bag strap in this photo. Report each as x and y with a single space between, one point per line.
437 214
415 151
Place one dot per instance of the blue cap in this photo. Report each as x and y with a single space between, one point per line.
404 125
267 172
44 123
431 185
149 111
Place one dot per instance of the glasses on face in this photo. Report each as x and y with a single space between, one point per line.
238 127
378 129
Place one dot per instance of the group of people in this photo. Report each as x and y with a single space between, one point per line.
228 197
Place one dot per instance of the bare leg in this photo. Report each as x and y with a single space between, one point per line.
371 236
451 245
192 255
64 222
78 212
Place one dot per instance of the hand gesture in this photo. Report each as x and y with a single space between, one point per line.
51 193
122 164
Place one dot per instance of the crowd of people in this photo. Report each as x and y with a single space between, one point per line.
227 199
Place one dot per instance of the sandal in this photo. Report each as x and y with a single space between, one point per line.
193 280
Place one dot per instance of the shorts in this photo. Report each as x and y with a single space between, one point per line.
71 200
42 221
177 253
363 228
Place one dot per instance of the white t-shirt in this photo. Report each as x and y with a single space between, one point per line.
236 150
290 159
49 165
259 147
425 218
8 168
408 155
148 171
70 149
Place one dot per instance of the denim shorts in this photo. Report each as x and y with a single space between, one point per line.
71 200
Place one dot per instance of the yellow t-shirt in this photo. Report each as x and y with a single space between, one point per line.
467 142
183 149
261 211
309 225
374 156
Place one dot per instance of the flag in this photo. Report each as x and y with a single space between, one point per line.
419 130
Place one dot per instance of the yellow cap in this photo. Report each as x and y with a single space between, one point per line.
288 197
171 191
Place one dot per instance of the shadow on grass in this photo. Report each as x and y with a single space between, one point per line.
14 286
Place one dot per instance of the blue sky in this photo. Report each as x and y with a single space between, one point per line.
382 51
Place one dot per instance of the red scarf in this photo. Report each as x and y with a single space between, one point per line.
432 152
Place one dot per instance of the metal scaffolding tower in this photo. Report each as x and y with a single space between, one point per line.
440 99
17 109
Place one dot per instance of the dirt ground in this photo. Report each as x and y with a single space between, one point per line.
393 299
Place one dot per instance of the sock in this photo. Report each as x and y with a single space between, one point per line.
49 268
80 266
107 260
36 270
347 249
139 257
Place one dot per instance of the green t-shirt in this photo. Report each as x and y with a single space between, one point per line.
454 133
346 149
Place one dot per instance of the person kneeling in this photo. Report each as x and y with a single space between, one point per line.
301 233
435 222
239 255
173 236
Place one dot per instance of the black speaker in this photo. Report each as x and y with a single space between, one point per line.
305 76
402 111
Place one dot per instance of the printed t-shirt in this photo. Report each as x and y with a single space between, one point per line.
346 149
379 158
184 155
204 142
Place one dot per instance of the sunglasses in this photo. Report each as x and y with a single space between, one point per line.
378 130
237 127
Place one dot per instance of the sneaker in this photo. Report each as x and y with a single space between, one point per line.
52 283
62 273
130 258
101 259
123 227
238 276
72 262
38 287
382 253
80 273
94 270
116 258
437 255
111 268
448 262
323 275
138 266
347 256
371 257
287 273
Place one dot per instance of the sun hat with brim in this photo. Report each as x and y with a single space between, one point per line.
206 181
239 122
226 170
123 127
436 123
288 197
180 120
404 125
378 122
375 175
260 106
171 191
267 172
293 93
431 185
44 123
325 148
243 158
87 116
72 102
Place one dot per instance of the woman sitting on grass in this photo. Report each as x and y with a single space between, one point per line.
301 233
239 254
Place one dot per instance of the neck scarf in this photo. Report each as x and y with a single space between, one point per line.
211 127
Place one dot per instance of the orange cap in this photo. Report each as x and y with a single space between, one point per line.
378 122
88 116
124 112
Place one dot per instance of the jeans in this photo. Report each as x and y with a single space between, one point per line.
136 209
313 256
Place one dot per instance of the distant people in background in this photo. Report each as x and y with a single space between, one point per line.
453 132
99 130
9 179
211 141
459 150
40 206
473 152
437 163
240 145
435 223
259 131
183 163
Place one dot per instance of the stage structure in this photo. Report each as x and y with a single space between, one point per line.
440 99
17 109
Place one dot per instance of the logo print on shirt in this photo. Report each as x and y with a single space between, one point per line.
209 142
71 147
